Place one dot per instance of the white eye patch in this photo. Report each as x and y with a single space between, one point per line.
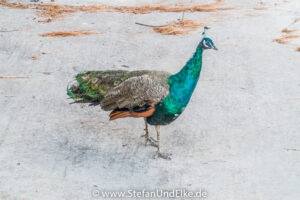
206 44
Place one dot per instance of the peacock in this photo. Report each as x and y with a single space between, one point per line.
157 96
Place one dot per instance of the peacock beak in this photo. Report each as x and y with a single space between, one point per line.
215 48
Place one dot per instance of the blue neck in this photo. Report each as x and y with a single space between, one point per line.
183 83
192 68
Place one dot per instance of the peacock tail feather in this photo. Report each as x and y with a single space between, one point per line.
92 86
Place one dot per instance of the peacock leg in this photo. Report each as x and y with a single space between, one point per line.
159 153
147 136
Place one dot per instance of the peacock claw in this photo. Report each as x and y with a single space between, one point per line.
166 156
152 141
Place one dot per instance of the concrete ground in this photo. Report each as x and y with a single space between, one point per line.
237 139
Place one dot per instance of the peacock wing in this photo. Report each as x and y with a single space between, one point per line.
134 93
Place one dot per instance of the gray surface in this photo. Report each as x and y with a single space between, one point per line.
238 138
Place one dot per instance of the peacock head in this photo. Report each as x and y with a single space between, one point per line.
207 43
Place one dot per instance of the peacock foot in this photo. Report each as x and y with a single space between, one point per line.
166 156
151 141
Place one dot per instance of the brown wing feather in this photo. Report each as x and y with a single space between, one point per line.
134 92
115 114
